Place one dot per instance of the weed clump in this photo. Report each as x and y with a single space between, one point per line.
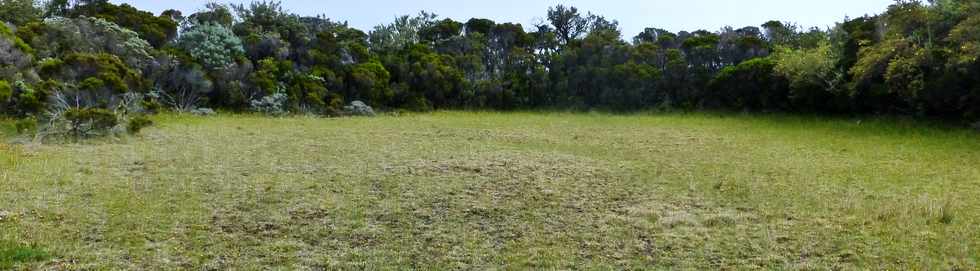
13 253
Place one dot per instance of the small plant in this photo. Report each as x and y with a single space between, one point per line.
136 124
274 104
26 126
946 213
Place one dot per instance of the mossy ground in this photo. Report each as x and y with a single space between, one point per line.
463 190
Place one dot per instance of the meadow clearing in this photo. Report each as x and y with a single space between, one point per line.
470 190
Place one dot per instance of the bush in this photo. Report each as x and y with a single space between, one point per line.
136 124
359 108
25 126
89 122
214 45
274 105
91 80
26 100
58 37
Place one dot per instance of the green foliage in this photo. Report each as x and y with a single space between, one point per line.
8 36
370 81
212 44
90 80
814 80
26 125
750 85
215 13
431 76
136 124
401 33
966 34
441 30
156 30
58 37
15 56
307 93
916 58
28 100
18 12
20 99
6 91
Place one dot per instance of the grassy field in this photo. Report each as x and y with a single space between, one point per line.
455 190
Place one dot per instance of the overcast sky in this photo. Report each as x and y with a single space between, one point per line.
633 15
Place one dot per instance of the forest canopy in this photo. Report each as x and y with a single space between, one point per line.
916 58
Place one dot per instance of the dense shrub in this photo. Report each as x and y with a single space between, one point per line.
814 81
136 124
917 58
26 100
179 84
58 37
90 80
89 122
19 12
157 30
15 56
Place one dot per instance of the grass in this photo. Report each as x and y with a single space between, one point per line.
12 253
457 190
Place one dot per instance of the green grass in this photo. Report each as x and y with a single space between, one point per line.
12 253
457 190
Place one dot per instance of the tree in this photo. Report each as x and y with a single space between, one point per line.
441 31
567 22
213 13
267 30
401 33
812 75
481 26
370 81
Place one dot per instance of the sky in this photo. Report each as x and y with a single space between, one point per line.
633 15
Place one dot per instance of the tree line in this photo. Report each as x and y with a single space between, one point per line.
916 58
